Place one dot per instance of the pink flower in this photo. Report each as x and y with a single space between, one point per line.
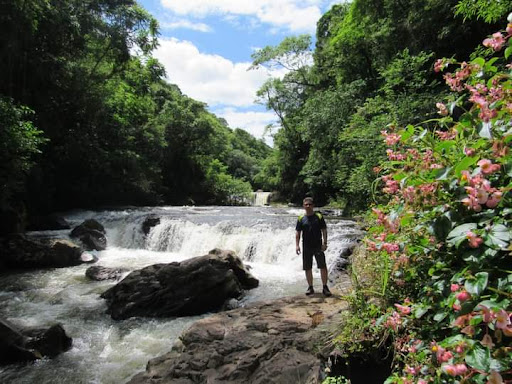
449 369
496 42
403 309
439 65
474 242
481 196
463 296
469 330
502 319
494 200
487 167
441 109
495 378
454 287
446 356
487 316
487 341
469 152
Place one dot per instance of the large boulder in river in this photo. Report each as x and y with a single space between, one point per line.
21 346
20 251
191 287
91 234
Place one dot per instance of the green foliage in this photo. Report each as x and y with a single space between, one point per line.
444 236
488 10
20 140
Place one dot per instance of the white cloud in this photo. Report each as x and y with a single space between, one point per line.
294 15
253 122
186 24
209 78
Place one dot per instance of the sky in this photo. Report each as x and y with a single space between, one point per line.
206 47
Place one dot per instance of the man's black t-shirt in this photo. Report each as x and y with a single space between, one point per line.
311 228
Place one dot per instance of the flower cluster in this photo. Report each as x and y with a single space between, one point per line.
447 246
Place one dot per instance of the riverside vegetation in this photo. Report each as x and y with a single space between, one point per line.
438 253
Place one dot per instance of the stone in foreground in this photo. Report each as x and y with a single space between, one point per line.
191 287
280 342
23 346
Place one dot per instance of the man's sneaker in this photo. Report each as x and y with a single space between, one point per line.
310 290
326 291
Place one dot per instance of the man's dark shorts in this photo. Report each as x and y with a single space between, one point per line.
307 258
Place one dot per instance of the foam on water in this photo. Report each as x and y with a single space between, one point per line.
108 351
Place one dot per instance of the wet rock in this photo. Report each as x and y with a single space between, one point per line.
276 341
150 222
88 258
91 234
192 287
20 251
22 346
47 223
49 342
99 273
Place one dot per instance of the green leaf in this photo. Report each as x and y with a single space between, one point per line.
442 227
498 236
479 358
508 52
458 234
465 164
440 316
443 173
476 286
485 130
480 61
420 311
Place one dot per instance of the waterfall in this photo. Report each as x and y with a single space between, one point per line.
261 198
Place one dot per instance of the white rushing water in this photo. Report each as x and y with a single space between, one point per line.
108 351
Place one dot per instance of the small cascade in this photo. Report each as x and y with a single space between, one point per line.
261 198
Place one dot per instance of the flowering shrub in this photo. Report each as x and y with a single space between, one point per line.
445 233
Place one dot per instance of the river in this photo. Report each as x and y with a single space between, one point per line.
108 351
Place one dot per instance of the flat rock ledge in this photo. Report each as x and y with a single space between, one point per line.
283 341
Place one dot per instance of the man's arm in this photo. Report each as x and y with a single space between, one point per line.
324 236
297 242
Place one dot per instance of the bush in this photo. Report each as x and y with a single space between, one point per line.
442 242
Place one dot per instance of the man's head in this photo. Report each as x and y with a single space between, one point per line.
308 205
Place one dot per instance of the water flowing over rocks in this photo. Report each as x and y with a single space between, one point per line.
281 342
191 287
21 346
20 251
91 234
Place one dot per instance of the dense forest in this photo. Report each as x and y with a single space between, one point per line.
372 68
88 120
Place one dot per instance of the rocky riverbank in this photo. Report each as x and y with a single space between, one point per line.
279 341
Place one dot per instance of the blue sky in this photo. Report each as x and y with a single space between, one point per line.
206 47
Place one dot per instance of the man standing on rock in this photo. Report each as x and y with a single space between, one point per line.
314 230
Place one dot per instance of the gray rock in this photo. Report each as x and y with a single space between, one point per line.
281 342
150 222
192 287
99 273
22 346
20 251
91 234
